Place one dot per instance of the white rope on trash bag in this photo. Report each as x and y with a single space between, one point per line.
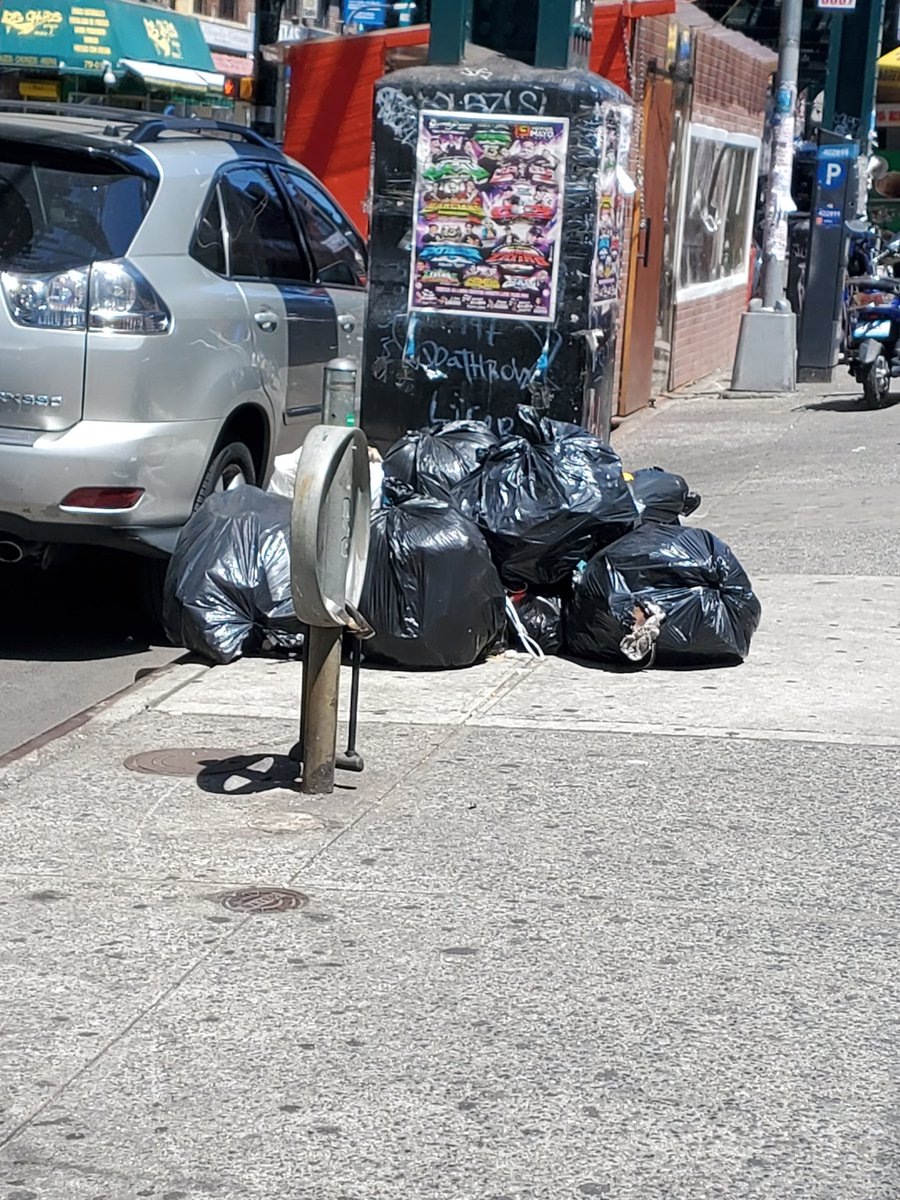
532 649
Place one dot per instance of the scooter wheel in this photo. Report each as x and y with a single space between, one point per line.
877 382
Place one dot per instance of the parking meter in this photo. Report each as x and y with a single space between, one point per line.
329 546
833 203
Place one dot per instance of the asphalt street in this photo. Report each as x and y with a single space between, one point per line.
69 637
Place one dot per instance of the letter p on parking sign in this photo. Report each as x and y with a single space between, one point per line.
831 174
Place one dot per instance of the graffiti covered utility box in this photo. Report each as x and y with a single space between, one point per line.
496 245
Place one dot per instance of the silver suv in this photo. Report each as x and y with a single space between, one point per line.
170 291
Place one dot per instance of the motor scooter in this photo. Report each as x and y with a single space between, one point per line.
872 324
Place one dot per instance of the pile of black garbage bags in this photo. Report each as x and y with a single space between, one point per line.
539 542
543 542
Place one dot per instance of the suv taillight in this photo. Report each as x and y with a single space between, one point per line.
113 297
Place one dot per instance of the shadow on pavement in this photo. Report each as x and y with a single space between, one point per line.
844 402
247 774
87 607
251 774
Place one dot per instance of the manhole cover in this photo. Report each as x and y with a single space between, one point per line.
185 761
263 900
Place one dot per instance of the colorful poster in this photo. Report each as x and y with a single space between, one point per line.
614 141
488 213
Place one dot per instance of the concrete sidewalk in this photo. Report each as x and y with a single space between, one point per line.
571 934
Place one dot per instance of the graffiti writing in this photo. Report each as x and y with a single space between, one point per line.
846 124
475 366
441 409
398 113
528 102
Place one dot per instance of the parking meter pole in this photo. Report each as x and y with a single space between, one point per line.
329 545
319 732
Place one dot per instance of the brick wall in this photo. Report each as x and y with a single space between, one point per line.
731 76
706 333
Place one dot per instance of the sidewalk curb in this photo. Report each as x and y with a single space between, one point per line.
127 702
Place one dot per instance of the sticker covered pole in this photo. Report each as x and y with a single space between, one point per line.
778 198
766 358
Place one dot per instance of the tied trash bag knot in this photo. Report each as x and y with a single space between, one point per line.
545 498
640 644
432 461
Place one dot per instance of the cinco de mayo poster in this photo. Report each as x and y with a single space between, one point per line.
488 215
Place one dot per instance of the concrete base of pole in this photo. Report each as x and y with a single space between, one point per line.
766 358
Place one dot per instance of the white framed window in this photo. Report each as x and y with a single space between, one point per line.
716 214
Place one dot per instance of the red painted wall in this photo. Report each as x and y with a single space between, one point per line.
329 118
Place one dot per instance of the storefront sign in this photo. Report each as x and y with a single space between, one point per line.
88 38
39 89
488 215
836 5
227 37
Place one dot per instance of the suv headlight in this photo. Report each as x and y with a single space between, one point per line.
112 297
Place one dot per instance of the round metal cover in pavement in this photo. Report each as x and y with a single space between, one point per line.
263 900
185 761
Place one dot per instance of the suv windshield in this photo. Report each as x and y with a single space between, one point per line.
61 209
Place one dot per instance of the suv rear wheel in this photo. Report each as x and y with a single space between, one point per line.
232 467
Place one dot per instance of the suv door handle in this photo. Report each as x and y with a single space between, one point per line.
347 323
266 320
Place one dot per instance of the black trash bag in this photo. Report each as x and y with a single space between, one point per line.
228 585
711 611
431 593
535 426
432 461
666 497
547 500
541 617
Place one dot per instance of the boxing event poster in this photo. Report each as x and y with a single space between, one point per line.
488 215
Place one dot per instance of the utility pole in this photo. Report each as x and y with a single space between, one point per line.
268 20
766 359
778 196
451 28
853 48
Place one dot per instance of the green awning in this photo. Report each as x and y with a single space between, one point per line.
81 39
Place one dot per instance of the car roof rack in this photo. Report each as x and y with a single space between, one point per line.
145 126
153 129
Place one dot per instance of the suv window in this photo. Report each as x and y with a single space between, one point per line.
60 209
208 246
336 247
261 236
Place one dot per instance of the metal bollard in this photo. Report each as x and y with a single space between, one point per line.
340 395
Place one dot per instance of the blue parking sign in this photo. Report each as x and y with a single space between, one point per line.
831 173
371 14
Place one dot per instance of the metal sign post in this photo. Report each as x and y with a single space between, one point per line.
329 546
